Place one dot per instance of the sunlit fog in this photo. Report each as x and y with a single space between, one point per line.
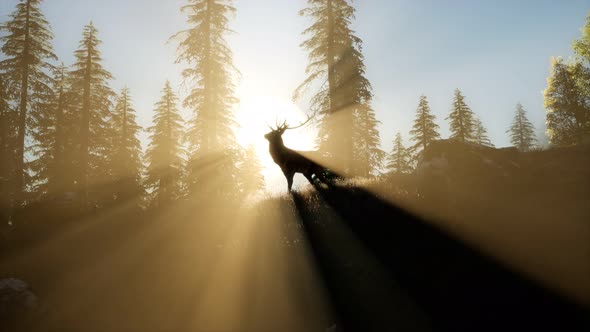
309 165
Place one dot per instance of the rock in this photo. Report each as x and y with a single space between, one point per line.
450 168
333 328
446 167
18 303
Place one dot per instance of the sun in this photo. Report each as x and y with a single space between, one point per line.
255 114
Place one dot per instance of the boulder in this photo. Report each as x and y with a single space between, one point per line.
450 169
446 167
18 303
526 209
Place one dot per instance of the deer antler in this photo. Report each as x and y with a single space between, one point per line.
284 126
301 124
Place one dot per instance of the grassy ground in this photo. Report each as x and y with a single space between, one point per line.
367 255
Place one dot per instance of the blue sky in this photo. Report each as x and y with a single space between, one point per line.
496 52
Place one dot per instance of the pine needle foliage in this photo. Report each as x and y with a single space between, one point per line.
400 158
424 130
165 152
26 44
348 133
462 119
522 131
213 148
54 131
481 134
90 83
125 150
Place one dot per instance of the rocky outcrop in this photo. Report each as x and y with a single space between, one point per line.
18 303
528 209
448 168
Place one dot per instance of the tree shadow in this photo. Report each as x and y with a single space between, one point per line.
434 277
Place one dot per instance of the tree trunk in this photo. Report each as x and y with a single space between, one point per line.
5 200
210 113
57 183
461 127
22 118
164 190
85 127
340 117
424 130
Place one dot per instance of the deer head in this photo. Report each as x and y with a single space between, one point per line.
276 133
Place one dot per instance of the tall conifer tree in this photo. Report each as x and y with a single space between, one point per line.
368 156
126 167
28 50
164 154
90 82
399 161
425 130
522 131
480 134
53 133
252 180
462 121
7 140
6 136
348 127
213 146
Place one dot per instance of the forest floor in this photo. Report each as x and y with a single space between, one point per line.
369 256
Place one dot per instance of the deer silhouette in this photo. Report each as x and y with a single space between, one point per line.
292 161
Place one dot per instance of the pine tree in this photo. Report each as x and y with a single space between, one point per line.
6 137
400 157
28 51
462 119
567 101
53 131
348 127
522 131
164 154
213 147
7 143
425 130
90 84
251 171
480 135
126 167
366 141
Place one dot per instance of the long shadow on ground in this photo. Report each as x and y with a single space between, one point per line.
386 269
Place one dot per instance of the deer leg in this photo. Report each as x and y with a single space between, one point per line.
289 175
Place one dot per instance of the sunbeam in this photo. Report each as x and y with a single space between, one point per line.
319 165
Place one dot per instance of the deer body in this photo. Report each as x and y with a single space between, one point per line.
291 161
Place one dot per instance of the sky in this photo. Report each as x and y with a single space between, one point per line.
497 52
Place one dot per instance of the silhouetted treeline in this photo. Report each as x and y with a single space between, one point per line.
65 132
67 136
